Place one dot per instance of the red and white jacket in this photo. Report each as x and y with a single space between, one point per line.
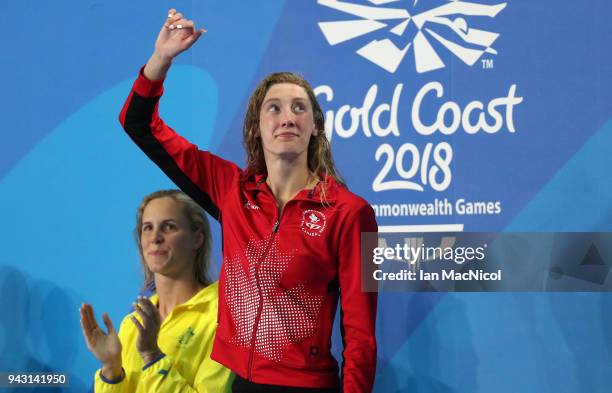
281 276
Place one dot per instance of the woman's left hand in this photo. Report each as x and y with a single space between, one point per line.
146 343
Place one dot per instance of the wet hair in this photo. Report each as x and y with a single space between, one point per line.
320 161
198 222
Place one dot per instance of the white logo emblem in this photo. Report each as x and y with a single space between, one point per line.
313 222
248 205
468 44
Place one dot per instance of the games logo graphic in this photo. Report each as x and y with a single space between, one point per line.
445 24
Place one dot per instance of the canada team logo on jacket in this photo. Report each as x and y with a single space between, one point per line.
250 206
313 222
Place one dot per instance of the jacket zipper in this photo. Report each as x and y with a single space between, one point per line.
275 228
260 306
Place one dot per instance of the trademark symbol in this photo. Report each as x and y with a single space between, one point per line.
487 64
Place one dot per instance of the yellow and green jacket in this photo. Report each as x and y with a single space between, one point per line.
185 338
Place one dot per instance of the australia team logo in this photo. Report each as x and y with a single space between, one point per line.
313 222
186 338
448 25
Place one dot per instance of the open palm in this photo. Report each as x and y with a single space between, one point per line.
106 347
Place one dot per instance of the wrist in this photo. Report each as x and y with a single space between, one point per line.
162 59
112 371
157 67
150 356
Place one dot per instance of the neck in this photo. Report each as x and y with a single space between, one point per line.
287 177
171 292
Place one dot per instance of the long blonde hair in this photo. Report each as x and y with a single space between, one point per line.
320 161
198 222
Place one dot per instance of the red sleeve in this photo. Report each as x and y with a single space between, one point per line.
200 174
358 308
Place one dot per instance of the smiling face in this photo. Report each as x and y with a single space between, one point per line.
286 121
169 243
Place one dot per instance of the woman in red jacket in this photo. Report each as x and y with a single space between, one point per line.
291 232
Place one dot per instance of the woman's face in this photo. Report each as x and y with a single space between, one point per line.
169 245
286 121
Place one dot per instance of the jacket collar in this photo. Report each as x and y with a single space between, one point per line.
257 182
205 295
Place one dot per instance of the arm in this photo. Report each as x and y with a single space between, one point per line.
358 309
203 176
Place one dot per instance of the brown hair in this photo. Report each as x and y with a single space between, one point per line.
320 161
198 221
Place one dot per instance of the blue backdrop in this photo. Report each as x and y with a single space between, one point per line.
506 103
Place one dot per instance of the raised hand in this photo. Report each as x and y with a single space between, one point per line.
176 35
148 329
106 347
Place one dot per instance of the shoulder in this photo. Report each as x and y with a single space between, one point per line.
208 295
217 161
350 203
354 212
211 291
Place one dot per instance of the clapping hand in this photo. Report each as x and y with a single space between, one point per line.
106 347
148 329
